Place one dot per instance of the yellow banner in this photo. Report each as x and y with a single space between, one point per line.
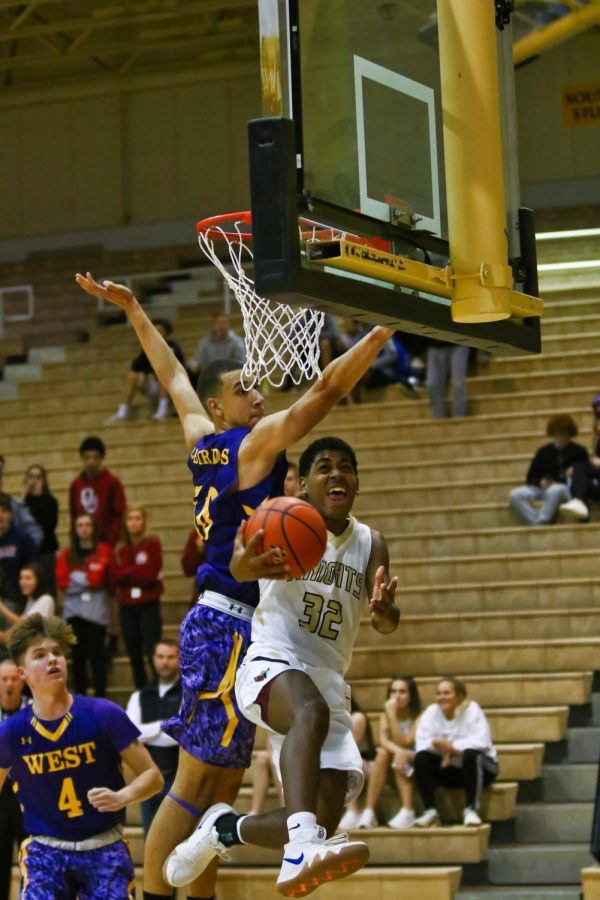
581 105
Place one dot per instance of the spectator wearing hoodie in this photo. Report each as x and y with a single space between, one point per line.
97 492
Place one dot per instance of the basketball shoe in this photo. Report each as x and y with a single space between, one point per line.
310 860
191 857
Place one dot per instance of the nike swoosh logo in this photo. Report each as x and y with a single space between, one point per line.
295 862
294 826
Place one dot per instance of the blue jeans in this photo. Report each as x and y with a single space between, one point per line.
522 498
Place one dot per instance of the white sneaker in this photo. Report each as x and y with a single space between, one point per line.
368 819
349 820
403 819
116 418
191 857
310 860
429 818
575 509
471 818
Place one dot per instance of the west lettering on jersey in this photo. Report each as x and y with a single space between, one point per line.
56 760
213 456
343 576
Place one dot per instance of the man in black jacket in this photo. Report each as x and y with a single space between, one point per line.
148 708
549 473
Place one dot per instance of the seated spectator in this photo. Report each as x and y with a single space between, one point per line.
585 478
361 729
221 343
135 579
385 367
192 558
447 360
82 574
397 725
32 583
291 484
12 832
22 517
17 549
43 506
148 708
548 473
263 771
97 492
141 378
453 749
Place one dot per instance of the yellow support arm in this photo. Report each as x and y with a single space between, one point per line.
557 32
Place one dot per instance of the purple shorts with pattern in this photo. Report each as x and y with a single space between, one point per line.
48 873
209 725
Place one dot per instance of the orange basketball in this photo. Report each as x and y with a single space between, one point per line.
292 526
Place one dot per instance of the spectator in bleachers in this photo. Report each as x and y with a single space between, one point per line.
141 379
192 558
453 749
17 549
291 484
22 518
135 577
361 730
32 583
549 473
585 478
148 708
12 831
43 506
263 772
82 572
445 361
385 368
397 725
221 343
97 492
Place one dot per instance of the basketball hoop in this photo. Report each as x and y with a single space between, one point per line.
281 342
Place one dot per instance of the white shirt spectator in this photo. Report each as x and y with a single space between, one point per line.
150 731
44 605
468 730
211 347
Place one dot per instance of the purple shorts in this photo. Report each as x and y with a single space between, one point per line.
103 874
209 725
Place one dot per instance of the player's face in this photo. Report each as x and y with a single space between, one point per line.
399 693
448 698
44 665
134 522
92 462
27 582
166 661
240 408
331 484
11 685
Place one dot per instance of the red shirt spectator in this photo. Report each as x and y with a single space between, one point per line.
98 493
135 574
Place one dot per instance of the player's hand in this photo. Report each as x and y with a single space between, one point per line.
247 564
117 294
383 595
105 800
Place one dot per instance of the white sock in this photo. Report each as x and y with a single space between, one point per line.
237 828
123 410
300 820
163 406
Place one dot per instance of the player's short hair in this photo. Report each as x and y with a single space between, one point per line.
92 443
325 443
33 629
458 685
562 423
5 501
210 379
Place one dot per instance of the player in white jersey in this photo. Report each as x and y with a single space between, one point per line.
292 683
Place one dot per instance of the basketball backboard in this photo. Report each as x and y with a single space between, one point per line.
353 135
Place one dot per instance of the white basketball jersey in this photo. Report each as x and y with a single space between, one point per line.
316 617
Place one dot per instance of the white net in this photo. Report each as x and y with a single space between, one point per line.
282 342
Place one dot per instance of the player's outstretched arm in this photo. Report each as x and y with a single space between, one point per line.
385 615
146 782
167 367
282 429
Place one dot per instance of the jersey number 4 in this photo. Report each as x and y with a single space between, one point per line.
68 800
321 618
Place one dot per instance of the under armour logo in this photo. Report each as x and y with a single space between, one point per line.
26 740
233 607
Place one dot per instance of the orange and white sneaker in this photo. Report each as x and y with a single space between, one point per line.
310 860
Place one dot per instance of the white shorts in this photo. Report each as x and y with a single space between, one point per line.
340 750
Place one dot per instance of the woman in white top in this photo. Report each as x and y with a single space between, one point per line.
453 749
32 583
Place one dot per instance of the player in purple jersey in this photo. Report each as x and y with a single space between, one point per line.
236 462
64 755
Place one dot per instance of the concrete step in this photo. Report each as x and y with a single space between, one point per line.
569 782
583 745
522 892
538 864
548 823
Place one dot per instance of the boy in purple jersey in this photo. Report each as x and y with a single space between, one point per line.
64 756
236 462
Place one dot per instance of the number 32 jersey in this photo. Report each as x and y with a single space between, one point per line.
54 764
316 618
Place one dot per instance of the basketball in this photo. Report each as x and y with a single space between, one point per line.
294 527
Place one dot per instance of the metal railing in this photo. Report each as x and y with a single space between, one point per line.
19 289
